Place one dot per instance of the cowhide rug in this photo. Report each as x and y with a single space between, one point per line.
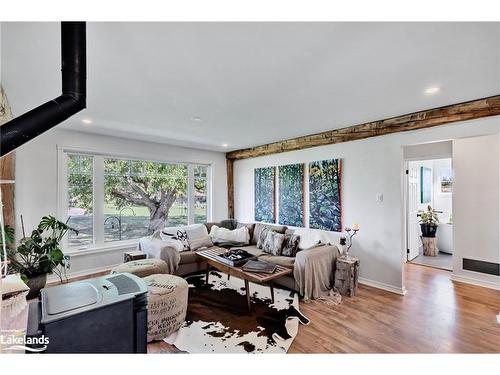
218 321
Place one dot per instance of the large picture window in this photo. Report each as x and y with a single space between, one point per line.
80 199
200 194
114 199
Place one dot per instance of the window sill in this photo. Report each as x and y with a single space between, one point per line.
103 248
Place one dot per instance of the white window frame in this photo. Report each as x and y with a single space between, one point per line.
98 193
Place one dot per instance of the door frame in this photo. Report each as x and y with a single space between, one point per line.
407 202
404 199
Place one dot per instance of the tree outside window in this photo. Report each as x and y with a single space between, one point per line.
200 194
80 199
139 197
143 196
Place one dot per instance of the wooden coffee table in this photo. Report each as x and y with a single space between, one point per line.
210 257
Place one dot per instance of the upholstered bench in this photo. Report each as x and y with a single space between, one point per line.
167 304
142 267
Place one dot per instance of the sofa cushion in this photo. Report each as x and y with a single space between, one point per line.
259 226
239 235
198 237
290 245
210 224
167 240
250 228
262 238
189 257
287 262
196 231
308 237
312 237
229 224
176 233
273 242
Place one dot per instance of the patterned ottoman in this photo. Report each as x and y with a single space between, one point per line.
167 304
142 267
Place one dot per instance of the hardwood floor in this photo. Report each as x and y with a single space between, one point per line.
435 316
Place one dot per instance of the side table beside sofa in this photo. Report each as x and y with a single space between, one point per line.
346 275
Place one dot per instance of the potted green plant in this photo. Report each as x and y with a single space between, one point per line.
428 222
40 254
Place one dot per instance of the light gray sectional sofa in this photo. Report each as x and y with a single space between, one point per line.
318 253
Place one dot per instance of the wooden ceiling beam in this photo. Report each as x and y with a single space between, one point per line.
414 121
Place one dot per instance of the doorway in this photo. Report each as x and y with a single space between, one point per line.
429 194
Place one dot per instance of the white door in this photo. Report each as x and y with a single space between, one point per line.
413 231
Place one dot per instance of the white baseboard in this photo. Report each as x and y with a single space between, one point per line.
91 271
386 287
477 282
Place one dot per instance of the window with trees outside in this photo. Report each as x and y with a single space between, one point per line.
80 198
113 199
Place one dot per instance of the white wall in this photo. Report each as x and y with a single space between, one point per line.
37 176
476 205
370 166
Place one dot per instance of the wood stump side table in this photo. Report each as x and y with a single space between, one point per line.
129 256
346 275
430 246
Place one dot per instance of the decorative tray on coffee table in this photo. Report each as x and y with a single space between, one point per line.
235 257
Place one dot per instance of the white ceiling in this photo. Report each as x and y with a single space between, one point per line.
252 83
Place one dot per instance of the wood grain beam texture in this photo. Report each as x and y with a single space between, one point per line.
414 121
7 166
230 189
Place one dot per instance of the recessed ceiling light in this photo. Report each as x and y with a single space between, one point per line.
87 121
225 145
196 118
432 90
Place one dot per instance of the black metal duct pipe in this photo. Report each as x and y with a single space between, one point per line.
73 99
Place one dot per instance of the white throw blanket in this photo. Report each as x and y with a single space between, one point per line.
167 250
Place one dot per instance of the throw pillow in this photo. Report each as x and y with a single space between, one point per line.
200 243
176 234
262 238
273 243
182 236
250 228
196 231
260 226
229 224
239 235
308 237
197 237
290 245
